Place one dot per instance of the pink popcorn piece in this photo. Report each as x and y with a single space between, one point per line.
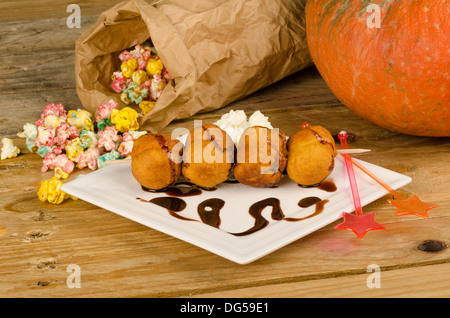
166 74
104 110
146 55
88 159
126 145
125 56
142 65
156 87
56 159
45 136
54 110
64 133
108 138
40 122
117 86
141 55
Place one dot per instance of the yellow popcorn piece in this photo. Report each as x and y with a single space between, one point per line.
125 119
50 190
154 66
124 98
146 106
60 173
53 121
139 77
128 67
74 149
82 119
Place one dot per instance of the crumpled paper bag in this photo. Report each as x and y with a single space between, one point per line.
217 51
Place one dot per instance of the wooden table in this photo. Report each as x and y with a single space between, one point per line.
120 258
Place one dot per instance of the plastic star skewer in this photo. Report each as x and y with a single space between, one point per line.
359 223
412 205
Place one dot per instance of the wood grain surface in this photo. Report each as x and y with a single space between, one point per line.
121 258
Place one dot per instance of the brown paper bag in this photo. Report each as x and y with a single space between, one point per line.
217 51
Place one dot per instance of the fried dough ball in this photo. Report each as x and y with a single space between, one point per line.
261 157
156 160
208 156
311 155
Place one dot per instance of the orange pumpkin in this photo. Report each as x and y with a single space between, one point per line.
395 74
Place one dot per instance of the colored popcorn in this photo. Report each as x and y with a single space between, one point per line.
146 106
45 136
124 98
82 119
29 133
128 67
77 139
126 145
108 138
103 123
136 134
104 110
9 150
154 66
112 155
156 87
44 150
141 78
74 149
125 119
64 133
60 173
88 139
56 110
50 190
136 93
55 159
88 159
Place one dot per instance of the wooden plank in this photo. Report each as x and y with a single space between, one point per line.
28 10
398 283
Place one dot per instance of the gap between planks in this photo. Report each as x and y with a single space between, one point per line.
293 279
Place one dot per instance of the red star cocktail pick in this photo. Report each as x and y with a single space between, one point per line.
412 205
359 223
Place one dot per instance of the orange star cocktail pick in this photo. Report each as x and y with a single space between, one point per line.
359 223
411 205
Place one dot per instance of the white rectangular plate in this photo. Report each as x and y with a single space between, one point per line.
115 189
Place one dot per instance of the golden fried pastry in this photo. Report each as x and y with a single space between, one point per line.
208 156
311 155
156 160
261 157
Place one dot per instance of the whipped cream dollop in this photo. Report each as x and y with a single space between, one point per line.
236 122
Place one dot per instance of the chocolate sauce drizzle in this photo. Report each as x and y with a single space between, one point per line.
328 186
209 210
256 212
173 205
319 208
181 189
